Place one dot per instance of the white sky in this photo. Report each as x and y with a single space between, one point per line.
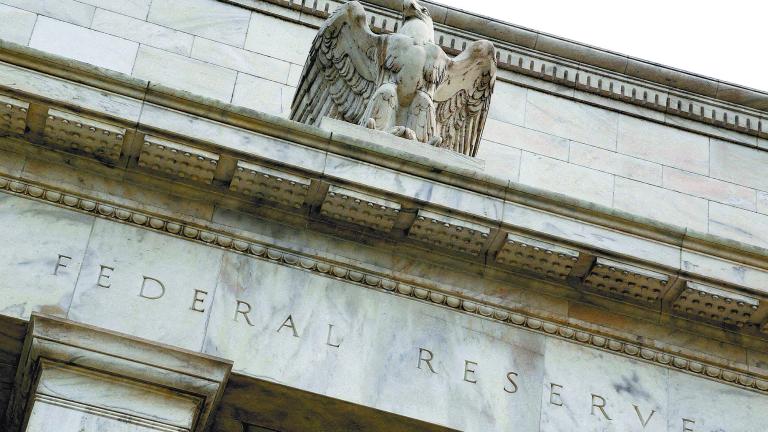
725 40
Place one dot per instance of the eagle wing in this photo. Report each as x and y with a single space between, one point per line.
463 97
342 70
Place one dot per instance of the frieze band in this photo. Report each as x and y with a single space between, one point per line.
251 248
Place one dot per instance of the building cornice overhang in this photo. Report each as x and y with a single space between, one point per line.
47 95
573 70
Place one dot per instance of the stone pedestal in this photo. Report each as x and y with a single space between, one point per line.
77 378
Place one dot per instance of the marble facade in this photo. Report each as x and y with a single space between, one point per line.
178 256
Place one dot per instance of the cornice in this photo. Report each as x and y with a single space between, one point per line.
456 196
585 334
571 69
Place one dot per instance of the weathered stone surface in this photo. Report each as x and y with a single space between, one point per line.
615 163
665 145
661 204
739 164
368 343
709 188
526 139
69 93
184 73
279 39
614 279
177 159
742 225
500 160
449 232
212 20
133 8
567 179
75 42
572 120
17 24
715 304
70 11
360 208
508 103
148 274
578 378
49 245
143 32
259 94
79 134
13 116
537 256
270 184
241 60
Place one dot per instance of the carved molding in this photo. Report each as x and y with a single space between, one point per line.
360 208
78 134
269 184
449 232
13 115
615 279
537 256
716 304
675 358
178 160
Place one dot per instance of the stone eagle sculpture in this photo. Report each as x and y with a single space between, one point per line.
402 83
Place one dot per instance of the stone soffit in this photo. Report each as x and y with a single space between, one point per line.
43 111
567 68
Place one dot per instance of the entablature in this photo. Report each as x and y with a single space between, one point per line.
395 190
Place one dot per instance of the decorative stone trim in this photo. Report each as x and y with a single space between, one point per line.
715 304
537 256
625 281
449 232
13 115
78 134
270 184
553 69
178 160
574 333
360 208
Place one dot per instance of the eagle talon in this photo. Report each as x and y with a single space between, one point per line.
403 132
436 141
371 123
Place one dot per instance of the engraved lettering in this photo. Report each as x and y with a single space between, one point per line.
427 360
148 282
197 301
600 406
469 374
289 324
511 381
60 263
686 423
244 311
103 276
554 397
640 416
328 340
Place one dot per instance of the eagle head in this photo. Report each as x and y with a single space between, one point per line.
417 22
412 9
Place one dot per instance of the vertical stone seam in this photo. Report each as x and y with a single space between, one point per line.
212 304
82 263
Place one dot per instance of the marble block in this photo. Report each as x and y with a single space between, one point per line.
130 272
588 390
42 266
365 346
